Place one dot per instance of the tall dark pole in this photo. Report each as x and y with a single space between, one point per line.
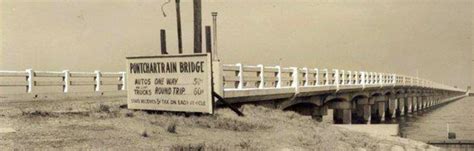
214 24
163 42
208 39
178 18
197 27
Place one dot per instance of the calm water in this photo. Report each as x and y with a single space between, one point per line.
431 125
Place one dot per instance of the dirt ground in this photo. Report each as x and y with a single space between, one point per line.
105 123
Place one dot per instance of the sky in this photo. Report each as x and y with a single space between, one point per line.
428 38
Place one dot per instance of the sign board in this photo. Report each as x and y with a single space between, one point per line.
170 83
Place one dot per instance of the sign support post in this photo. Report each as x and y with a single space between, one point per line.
222 100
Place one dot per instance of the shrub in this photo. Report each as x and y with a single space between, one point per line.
171 127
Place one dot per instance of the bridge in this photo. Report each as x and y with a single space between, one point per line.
340 95
353 96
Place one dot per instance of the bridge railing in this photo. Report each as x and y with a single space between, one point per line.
241 77
32 79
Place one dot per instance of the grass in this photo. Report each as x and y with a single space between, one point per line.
196 147
171 128
144 134
104 108
129 114
233 124
37 113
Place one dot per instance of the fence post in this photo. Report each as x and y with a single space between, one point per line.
123 80
394 79
326 77
278 84
356 78
336 79
363 80
295 76
380 79
30 80
262 77
97 79
349 79
373 78
306 76
342 78
66 80
240 75
317 76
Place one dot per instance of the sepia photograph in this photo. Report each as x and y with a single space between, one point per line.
225 75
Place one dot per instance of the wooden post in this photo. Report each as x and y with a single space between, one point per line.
261 75
295 77
197 27
178 20
163 42
208 39
278 75
123 80
66 80
214 32
240 75
98 80
30 80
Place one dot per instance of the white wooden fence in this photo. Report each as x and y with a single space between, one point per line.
34 79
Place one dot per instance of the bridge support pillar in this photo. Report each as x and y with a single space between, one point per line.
420 103
433 101
367 113
319 112
409 104
342 112
381 110
329 118
364 111
346 116
400 106
425 102
378 108
430 102
392 106
415 104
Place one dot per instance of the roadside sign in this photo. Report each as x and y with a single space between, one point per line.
170 83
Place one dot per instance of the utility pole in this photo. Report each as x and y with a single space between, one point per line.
163 42
178 19
214 24
208 39
197 27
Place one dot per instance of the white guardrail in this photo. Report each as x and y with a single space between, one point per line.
236 77
43 78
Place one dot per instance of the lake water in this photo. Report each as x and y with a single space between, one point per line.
432 125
